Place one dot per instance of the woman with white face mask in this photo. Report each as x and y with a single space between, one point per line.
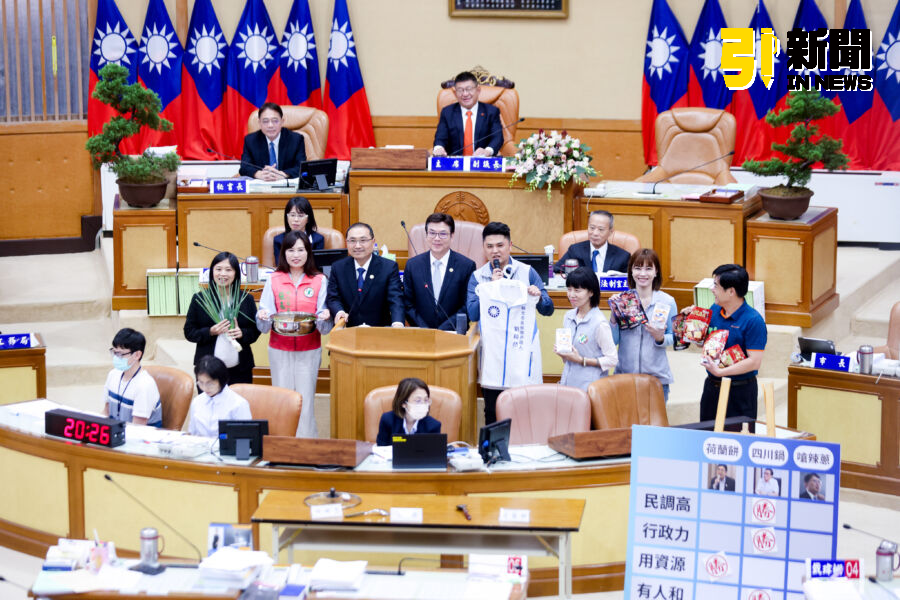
409 414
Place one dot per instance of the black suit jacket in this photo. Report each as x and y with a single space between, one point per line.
616 258
418 291
804 495
291 152
729 484
391 424
451 129
381 300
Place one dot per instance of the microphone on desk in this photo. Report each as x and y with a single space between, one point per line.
411 245
484 137
444 312
242 161
107 477
694 168
11 582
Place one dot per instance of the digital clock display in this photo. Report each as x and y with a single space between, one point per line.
82 427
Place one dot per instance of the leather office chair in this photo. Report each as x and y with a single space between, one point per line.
446 407
309 122
466 240
279 406
176 389
627 399
687 137
892 348
624 240
505 99
333 239
539 412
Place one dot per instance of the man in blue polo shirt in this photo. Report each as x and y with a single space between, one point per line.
747 329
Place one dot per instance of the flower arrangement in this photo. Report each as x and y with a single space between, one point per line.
545 158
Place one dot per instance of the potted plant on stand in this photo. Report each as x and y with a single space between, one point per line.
802 151
141 179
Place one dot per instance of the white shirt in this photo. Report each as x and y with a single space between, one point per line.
510 345
767 488
206 412
474 111
365 267
275 141
137 397
601 258
442 266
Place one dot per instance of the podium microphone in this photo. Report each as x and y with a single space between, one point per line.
520 249
484 137
107 477
199 245
411 245
695 167
230 157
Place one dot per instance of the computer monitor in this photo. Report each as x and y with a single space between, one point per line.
317 174
325 257
420 451
242 439
493 441
538 262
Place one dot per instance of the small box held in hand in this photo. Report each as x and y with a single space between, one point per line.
564 340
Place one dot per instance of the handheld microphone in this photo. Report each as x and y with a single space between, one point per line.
484 137
495 264
655 183
411 245
107 477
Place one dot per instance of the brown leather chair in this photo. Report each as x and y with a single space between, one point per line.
627 399
505 99
687 137
333 239
446 407
892 349
626 241
466 240
539 412
280 406
309 122
176 388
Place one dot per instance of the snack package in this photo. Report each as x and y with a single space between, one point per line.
659 315
628 310
564 339
714 344
731 355
678 332
696 324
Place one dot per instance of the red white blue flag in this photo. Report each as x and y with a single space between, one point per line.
665 72
159 70
885 129
297 81
707 83
345 93
203 86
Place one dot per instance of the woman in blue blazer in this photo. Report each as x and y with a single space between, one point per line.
409 414
298 216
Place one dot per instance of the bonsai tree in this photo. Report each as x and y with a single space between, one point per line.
802 151
136 107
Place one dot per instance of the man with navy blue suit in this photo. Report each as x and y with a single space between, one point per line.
434 282
272 153
468 127
365 288
596 252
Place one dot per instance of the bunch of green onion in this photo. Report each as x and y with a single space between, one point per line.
221 304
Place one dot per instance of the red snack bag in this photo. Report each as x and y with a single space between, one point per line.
715 343
731 355
628 310
678 332
696 324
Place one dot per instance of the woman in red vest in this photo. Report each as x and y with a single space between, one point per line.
296 285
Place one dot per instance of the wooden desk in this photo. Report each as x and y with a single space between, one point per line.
143 238
861 415
443 527
23 372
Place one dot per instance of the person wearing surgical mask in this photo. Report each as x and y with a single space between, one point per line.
409 414
130 393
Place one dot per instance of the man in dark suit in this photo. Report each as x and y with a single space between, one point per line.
468 127
596 252
721 481
272 153
811 486
363 287
434 282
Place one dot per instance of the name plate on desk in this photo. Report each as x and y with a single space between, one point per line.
228 186
402 514
466 163
15 341
326 512
515 515
830 362
613 283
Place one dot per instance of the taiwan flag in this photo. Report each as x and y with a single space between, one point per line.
884 135
754 137
856 103
112 43
350 122
203 87
297 80
706 86
159 69
665 72
251 62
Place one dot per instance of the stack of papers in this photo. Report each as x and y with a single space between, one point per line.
330 574
236 568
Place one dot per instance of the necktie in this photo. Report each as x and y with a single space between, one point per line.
360 279
272 160
436 278
594 260
467 135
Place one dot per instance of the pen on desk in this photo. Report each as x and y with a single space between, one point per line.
878 583
464 510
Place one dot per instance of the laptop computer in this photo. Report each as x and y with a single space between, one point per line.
420 452
810 345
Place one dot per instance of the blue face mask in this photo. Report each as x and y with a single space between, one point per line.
120 363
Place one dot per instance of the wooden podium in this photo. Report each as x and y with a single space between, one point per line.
364 358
